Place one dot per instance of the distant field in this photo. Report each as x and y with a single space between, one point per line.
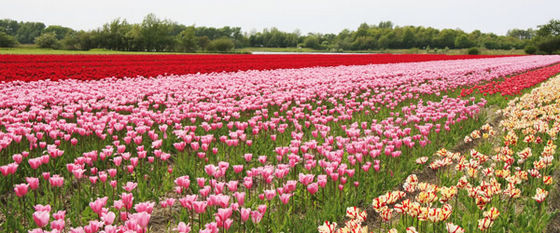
33 50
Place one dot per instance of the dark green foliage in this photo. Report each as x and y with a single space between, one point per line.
311 42
463 41
547 40
530 49
47 40
27 32
551 29
155 34
59 31
203 42
187 41
550 45
221 45
7 40
473 51
521 34
9 26
274 38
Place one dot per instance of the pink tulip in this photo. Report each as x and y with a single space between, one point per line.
112 172
56 181
17 158
237 168
98 205
248 157
199 206
142 219
130 186
245 214
35 163
113 184
269 194
262 159
223 214
93 179
58 224
41 218
183 228
285 198
21 189
118 204
306 179
377 165
313 188
240 197
201 181
256 216
127 200
262 209
103 176
144 207
33 182
59 215
187 201
40 207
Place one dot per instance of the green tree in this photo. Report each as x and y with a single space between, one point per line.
70 42
27 32
385 24
311 41
187 41
203 42
552 28
221 44
134 38
364 43
59 31
445 38
521 34
384 42
530 49
113 35
9 26
550 45
157 34
408 38
7 40
463 41
47 40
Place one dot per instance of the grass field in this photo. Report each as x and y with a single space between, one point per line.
34 50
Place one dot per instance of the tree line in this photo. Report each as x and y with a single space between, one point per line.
155 34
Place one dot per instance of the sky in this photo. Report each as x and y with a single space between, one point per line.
317 16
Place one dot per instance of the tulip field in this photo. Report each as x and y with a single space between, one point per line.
87 67
278 143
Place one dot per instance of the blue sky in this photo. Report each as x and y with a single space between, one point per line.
324 16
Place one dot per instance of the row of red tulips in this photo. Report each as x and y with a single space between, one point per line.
515 84
88 67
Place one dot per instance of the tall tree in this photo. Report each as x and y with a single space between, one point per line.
187 41
27 32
